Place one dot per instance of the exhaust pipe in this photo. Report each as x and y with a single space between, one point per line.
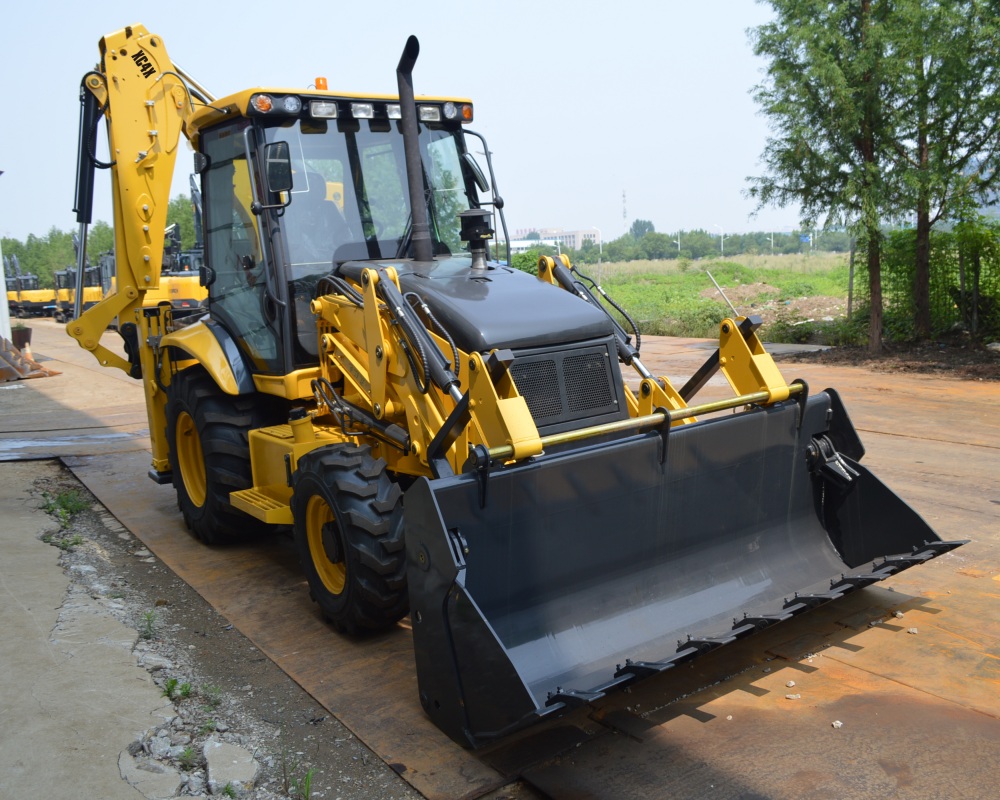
420 231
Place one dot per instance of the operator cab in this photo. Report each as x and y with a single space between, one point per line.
345 197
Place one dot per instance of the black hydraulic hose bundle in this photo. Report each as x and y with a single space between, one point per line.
614 305
422 305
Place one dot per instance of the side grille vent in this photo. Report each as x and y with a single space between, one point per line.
563 386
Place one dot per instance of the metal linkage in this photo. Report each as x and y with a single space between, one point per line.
650 421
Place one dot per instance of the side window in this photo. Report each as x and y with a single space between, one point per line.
448 194
232 250
385 186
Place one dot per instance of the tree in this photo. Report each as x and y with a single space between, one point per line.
656 246
946 142
882 108
100 239
825 99
640 228
181 211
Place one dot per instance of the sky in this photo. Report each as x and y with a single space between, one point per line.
597 113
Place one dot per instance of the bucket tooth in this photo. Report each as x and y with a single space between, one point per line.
643 669
804 602
758 622
572 698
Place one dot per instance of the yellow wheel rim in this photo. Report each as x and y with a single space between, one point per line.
190 459
332 574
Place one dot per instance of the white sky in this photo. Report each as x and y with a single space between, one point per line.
579 101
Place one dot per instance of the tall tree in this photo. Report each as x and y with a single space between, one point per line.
181 211
824 96
640 228
946 145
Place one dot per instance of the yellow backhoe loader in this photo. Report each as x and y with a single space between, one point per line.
447 437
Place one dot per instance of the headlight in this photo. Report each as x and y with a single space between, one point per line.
323 109
429 113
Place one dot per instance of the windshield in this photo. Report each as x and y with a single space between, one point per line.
350 199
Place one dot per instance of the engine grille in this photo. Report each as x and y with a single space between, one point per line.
567 385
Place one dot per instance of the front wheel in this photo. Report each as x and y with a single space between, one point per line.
208 432
349 536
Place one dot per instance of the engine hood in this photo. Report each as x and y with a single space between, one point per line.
500 307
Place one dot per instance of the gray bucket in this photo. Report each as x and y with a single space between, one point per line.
593 567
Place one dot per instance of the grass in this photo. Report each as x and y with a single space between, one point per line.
63 542
188 759
65 505
174 690
664 297
148 629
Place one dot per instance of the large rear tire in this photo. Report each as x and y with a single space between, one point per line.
208 433
349 535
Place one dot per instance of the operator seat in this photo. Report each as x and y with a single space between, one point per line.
316 227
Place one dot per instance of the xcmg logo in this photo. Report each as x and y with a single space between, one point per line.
143 63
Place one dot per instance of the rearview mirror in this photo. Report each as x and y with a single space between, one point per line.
278 167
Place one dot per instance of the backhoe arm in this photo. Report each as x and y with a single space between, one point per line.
146 103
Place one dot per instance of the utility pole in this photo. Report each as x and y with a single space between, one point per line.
722 240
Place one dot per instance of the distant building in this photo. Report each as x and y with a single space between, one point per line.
557 237
524 245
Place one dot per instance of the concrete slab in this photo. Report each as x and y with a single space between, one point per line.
74 698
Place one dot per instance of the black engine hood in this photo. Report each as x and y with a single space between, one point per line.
500 307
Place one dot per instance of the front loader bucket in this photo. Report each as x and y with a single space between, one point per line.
548 584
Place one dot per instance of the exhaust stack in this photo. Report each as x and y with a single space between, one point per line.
421 236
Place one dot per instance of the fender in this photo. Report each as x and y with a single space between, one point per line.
210 345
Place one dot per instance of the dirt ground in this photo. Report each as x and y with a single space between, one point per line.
952 358
770 305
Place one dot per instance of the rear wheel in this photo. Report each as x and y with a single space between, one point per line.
347 529
210 453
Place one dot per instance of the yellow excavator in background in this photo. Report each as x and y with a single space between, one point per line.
65 298
26 297
180 283
445 436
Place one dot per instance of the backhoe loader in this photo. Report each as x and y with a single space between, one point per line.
447 437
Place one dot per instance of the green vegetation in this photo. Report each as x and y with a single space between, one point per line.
148 629
212 696
174 690
65 505
188 759
677 298
63 542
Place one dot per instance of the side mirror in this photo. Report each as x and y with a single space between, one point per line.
278 167
477 173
